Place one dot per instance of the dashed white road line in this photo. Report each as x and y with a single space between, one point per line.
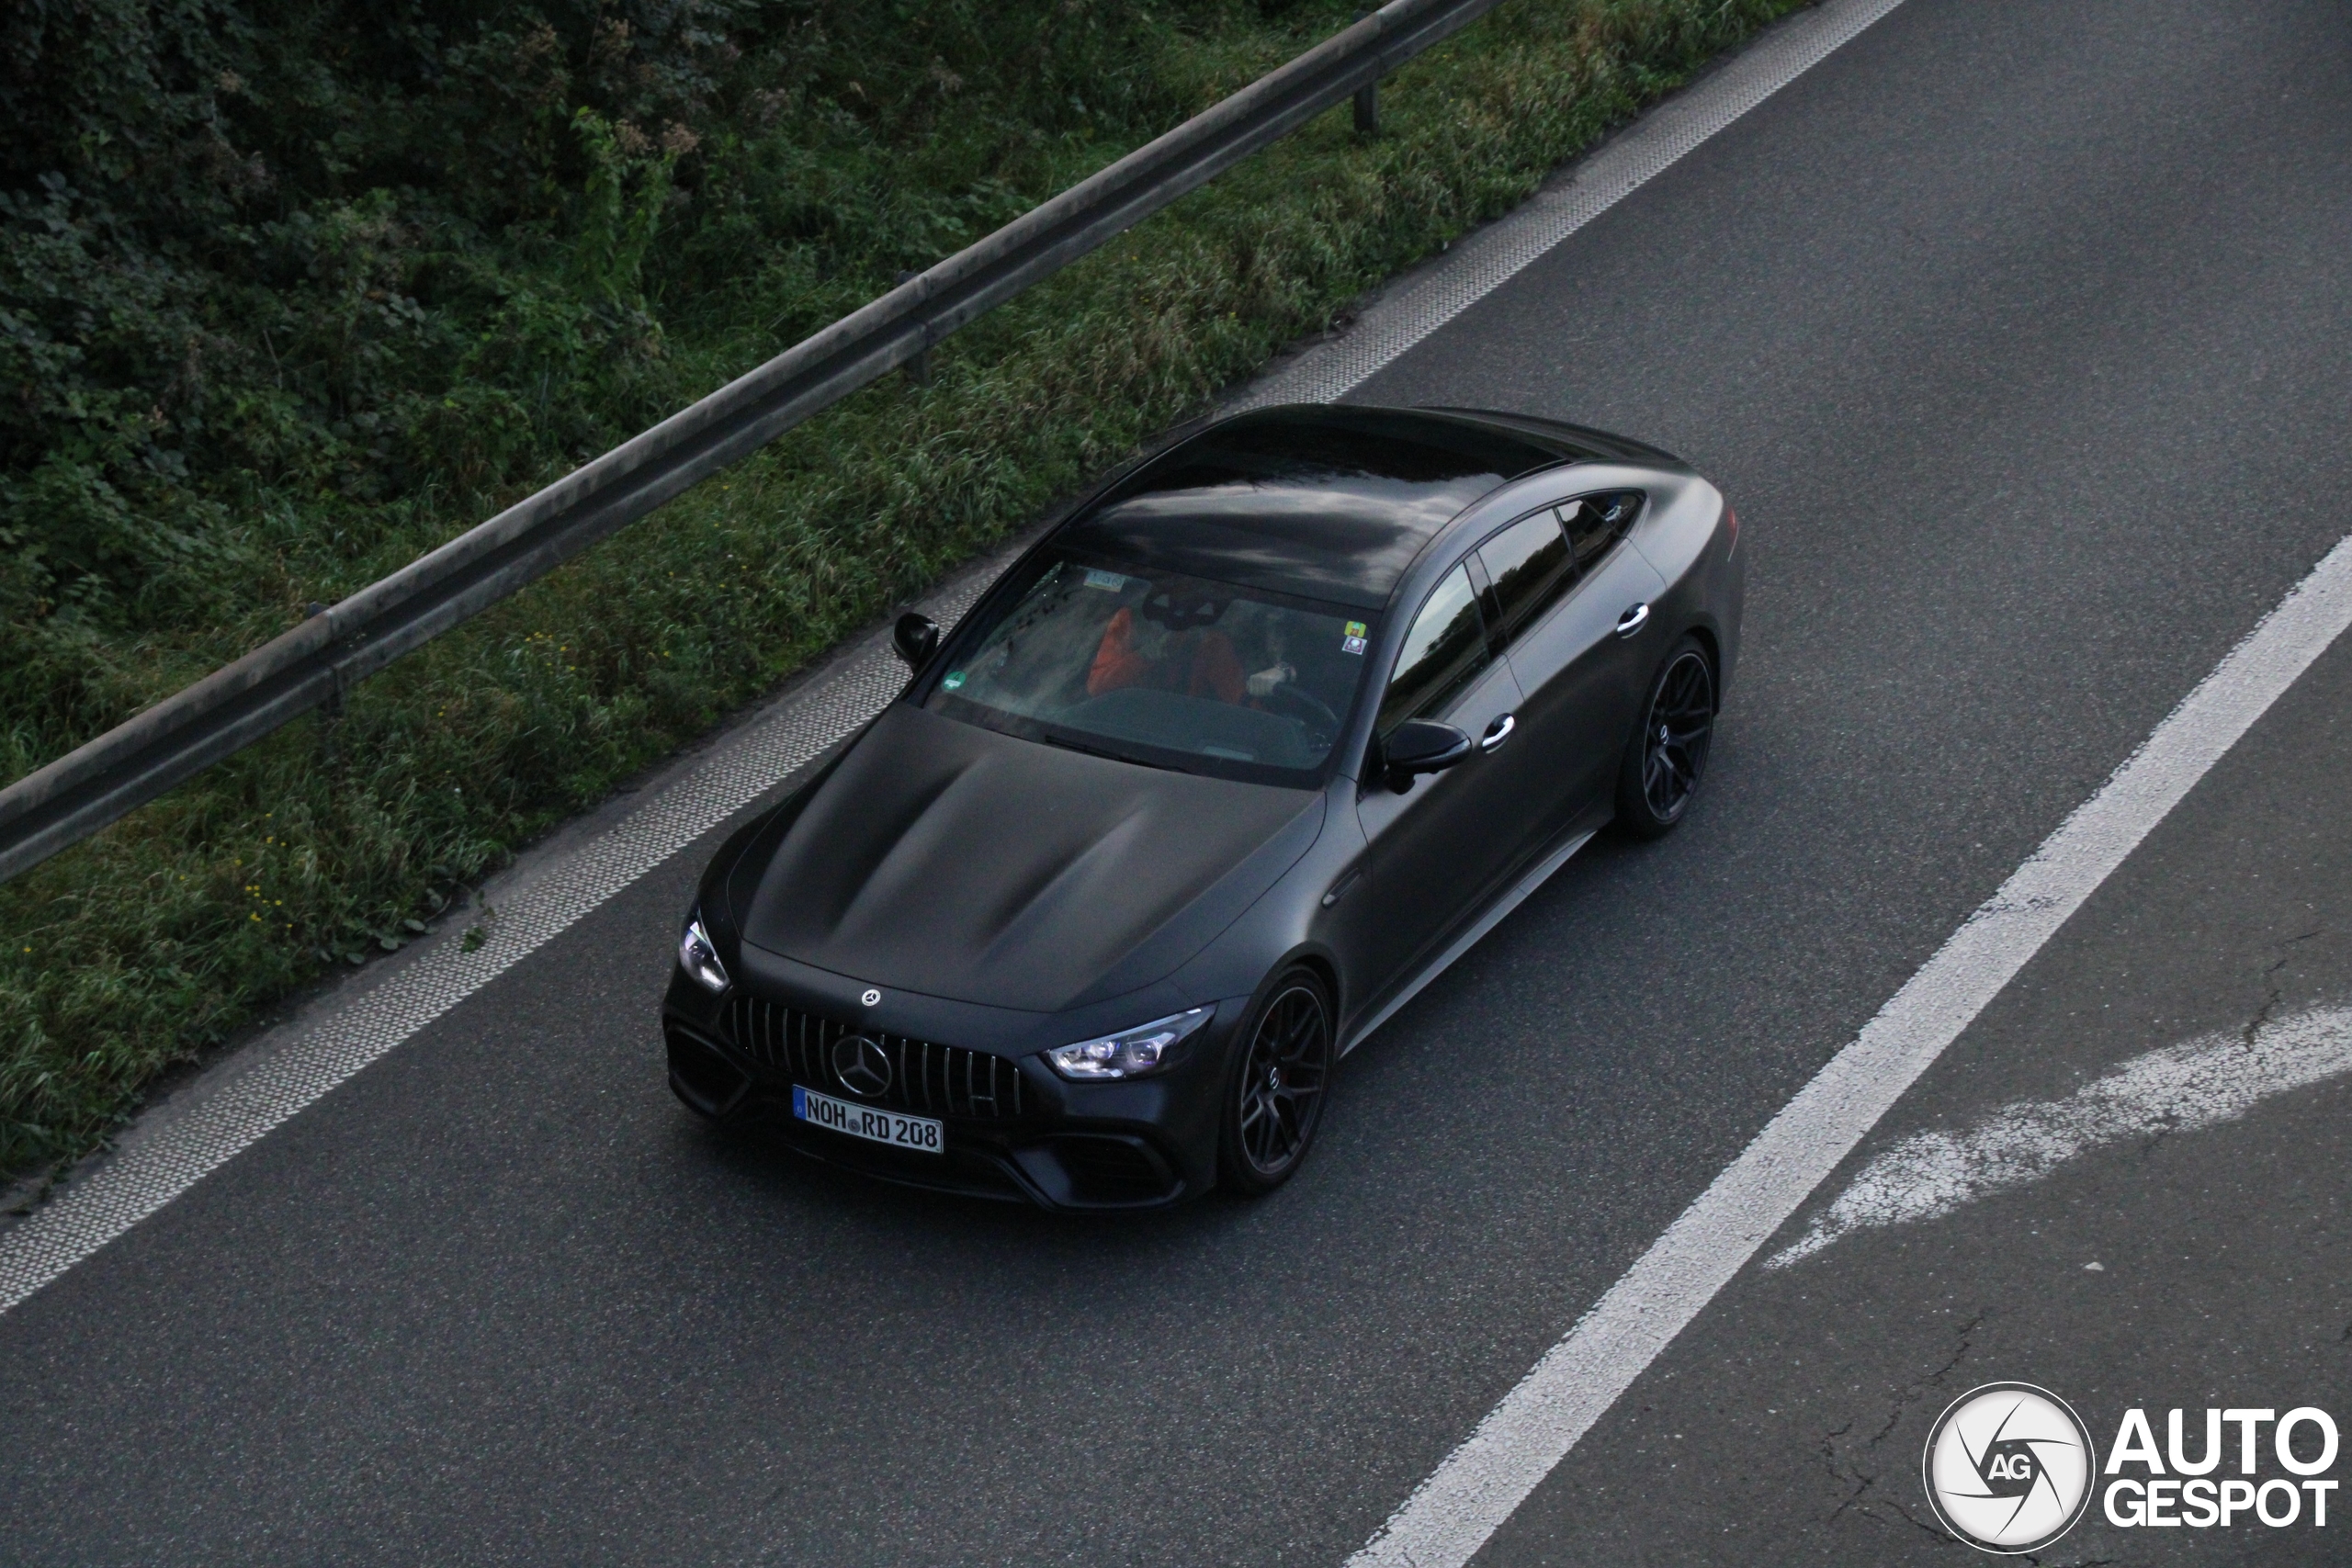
1469 1496
2180 1088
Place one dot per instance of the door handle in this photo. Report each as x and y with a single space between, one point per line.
1498 732
1633 620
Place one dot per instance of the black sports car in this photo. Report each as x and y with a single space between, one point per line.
1220 773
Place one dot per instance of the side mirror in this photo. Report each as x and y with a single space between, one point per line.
916 639
1421 746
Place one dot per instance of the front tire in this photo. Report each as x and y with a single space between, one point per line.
1667 754
1273 1096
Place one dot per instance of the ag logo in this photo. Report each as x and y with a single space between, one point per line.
2009 1467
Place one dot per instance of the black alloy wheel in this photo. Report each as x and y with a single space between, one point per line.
1273 1102
1667 755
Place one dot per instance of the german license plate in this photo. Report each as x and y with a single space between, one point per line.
875 1125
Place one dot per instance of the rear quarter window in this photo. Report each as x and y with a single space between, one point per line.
1594 522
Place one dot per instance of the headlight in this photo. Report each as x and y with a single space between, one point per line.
699 958
1145 1048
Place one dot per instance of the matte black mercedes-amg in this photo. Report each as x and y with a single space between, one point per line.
1219 775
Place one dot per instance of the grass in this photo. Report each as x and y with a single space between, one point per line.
154 942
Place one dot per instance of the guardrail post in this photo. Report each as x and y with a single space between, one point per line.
1367 98
919 368
331 710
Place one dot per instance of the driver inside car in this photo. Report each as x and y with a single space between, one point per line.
1178 648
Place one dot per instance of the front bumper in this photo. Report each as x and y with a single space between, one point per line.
1029 1134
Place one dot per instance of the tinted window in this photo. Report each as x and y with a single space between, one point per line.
1529 567
1156 667
1443 653
1598 522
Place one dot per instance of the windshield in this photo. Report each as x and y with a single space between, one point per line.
1156 667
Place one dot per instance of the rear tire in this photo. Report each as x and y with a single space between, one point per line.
1666 756
1275 1091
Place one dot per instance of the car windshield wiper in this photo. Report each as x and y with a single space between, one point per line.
1069 745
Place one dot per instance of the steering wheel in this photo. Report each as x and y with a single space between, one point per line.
1307 708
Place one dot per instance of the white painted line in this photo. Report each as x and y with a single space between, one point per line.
158 1163
1469 1496
2180 1088
1499 253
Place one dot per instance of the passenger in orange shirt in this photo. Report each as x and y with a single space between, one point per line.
1202 665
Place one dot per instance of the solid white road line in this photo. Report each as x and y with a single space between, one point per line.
2180 1088
1476 1489
163 1157
1497 254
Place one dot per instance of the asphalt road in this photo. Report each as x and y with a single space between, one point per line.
1786 1424
2019 333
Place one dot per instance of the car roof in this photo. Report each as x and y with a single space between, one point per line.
1328 502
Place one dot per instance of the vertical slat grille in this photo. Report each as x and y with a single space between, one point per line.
926 1076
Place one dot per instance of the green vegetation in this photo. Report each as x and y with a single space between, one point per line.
292 290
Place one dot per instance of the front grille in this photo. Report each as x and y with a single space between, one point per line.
927 1078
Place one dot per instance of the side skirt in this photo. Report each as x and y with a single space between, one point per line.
1469 938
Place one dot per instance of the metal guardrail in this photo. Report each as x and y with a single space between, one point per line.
313 665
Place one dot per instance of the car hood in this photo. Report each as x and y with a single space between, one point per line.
951 861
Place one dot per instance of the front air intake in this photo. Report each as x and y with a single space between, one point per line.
701 1075
1113 1171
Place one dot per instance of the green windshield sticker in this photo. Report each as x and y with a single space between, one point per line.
954 678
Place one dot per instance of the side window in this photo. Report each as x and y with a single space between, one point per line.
1443 653
1597 522
1529 566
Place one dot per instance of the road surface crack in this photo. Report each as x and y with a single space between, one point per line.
1844 1475
2261 1019
1934 1380
1857 1472
2271 1002
1942 1535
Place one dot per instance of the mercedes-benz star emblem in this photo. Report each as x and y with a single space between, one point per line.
871 997
863 1066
